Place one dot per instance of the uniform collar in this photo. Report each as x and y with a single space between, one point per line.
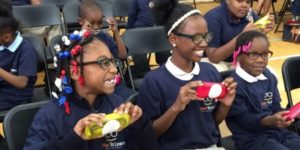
14 45
180 74
247 77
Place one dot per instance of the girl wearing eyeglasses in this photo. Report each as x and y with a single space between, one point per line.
256 118
226 22
182 120
85 84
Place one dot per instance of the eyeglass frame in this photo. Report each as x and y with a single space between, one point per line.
192 37
112 61
256 55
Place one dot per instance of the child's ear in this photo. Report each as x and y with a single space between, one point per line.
172 38
80 21
7 37
75 74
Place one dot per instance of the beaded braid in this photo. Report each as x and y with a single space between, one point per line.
67 51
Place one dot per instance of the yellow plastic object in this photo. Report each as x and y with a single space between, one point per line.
112 122
262 22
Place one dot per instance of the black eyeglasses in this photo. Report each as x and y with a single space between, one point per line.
197 38
255 55
105 62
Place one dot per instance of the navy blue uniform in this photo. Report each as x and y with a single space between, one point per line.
195 126
223 27
52 128
255 100
19 59
140 14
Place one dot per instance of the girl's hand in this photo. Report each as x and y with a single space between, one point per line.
186 94
134 111
280 120
269 26
231 87
86 121
112 24
250 26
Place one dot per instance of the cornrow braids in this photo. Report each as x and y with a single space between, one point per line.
67 52
244 41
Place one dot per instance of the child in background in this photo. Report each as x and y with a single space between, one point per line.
91 18
182 120
18 65
256 118
85 85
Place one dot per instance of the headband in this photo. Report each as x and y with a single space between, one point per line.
177 22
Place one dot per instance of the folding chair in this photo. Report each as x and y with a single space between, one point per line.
291 80
59 3
71 14
39 47
273 8
17 122
143 41
37 15
285 6
121 9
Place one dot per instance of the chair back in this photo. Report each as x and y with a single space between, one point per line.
121 7
39 47
37 15
291 76
143 41
17 122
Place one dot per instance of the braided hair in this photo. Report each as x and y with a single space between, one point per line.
243 43
68 51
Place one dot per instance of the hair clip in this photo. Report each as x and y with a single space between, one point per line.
54 94
58 84
54 61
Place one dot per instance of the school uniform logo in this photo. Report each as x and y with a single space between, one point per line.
113 141
267 99
207 105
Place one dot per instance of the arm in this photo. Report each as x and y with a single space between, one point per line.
122 53
186 94
15 80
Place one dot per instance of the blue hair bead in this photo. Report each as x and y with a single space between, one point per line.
62 100
67 54
65 80
73 37
67 90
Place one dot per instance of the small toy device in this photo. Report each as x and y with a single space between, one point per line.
294 112
211 90
112 122
262 22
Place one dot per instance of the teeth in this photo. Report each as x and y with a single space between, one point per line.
110 82
199 53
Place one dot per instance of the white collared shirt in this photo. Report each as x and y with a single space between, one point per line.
247 77
180 74
14 45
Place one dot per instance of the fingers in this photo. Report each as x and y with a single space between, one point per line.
231 85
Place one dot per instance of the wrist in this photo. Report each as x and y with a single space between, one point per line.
177 107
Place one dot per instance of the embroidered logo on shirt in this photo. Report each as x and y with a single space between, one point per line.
267 99
208 104
112 143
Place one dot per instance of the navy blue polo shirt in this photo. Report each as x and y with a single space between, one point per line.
140 14
195 126
52 128
19 59
256 97
110 42
20 2
224 29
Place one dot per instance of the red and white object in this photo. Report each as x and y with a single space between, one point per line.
211 90
294 112
118 79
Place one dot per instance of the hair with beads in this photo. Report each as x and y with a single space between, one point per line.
168 12
244 41
69 57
